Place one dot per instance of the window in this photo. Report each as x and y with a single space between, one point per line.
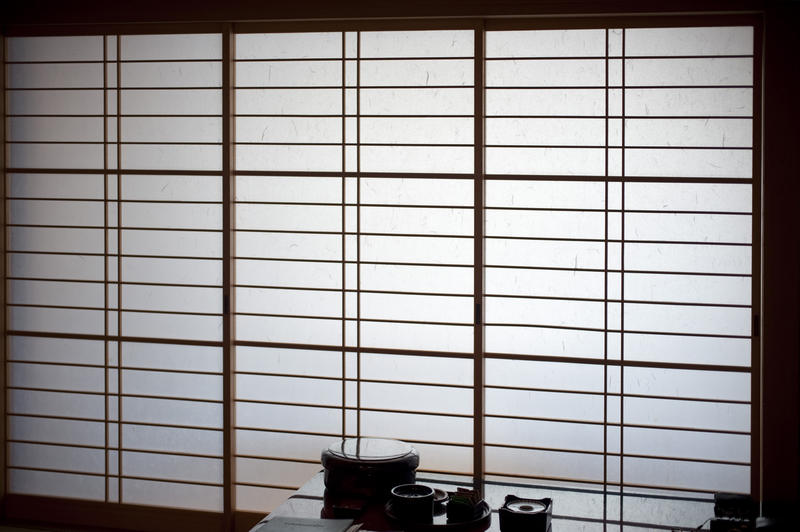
527 251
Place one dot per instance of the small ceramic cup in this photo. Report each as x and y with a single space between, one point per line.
412 502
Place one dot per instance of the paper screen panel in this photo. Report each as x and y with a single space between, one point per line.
168 396
653 270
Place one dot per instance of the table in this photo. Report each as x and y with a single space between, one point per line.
575 508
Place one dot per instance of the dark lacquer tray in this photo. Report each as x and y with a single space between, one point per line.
440 523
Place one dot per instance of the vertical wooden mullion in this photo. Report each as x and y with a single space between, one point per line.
105 265
228 276
118 59
605 307
344 233
358 234
622 299
756 488
3 214
479 364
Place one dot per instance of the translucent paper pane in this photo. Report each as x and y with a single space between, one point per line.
301 362
189 46
55 76
289 246
711 71
689 41
59 404
33 129
33 349
291 302
288 274
416 336
708 133
545 102
56 457
546 73
55 155
414 102
416 220
55 266
308 158
172 467
55 239
419 191
287 330
89 48
169 74
417 73
672 413
544 224
708 197
284 417
546 43
178 271
688 288
688 349
55 102
689 163
171 157
289 129
729 228
417 427
172 243
547 283
543 131
55 293
713 477
171 129
544 464
172 102
289 217
56 484
689 102
546 194
289 101
288 74
546 161
176 326
417 130
550 434
274 472
441 43
296 446
55 320
557 254
294 189
554 405
171 216
57 431
416 278
142 437
38 212
288 389
688 258
686 444
288 45
416 250
547 341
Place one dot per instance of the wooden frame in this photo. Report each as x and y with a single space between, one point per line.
228 30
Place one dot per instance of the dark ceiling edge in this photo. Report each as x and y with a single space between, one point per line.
41 12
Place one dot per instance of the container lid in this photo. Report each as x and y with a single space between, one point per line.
370 449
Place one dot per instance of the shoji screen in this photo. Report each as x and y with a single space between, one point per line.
619 260
115 278
354 220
